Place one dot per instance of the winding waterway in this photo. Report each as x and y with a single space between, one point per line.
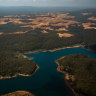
46 81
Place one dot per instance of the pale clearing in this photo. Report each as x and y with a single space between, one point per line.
65 35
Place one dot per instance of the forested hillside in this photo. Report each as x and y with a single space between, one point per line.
82 72
12 64
44 30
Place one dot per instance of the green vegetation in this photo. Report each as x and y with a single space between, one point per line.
35 41
83 68
11 28
14 63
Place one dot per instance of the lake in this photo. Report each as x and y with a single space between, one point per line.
46 81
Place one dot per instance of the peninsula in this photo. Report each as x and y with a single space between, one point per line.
13 64
79 73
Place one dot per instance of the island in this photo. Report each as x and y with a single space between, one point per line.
80 73
14 64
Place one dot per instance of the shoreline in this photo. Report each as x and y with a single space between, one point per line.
19 74
53 50
59 69
31 58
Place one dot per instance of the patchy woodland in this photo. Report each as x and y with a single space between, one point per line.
47 30
45 22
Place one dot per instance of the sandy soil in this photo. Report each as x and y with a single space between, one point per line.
92 18
84 14
1 33
88 25
65 35
19 93
52 50
44 31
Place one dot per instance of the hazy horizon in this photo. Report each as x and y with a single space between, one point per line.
49 3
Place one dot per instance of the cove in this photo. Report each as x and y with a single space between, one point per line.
46 81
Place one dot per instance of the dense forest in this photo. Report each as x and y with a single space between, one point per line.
83 68
34 40
12 63
10 28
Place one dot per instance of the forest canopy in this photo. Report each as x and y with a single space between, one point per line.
12 63
83 68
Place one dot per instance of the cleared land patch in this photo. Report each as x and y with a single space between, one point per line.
19 93
65 35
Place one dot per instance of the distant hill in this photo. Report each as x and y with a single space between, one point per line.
30 9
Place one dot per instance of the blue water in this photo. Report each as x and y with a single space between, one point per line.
46 81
